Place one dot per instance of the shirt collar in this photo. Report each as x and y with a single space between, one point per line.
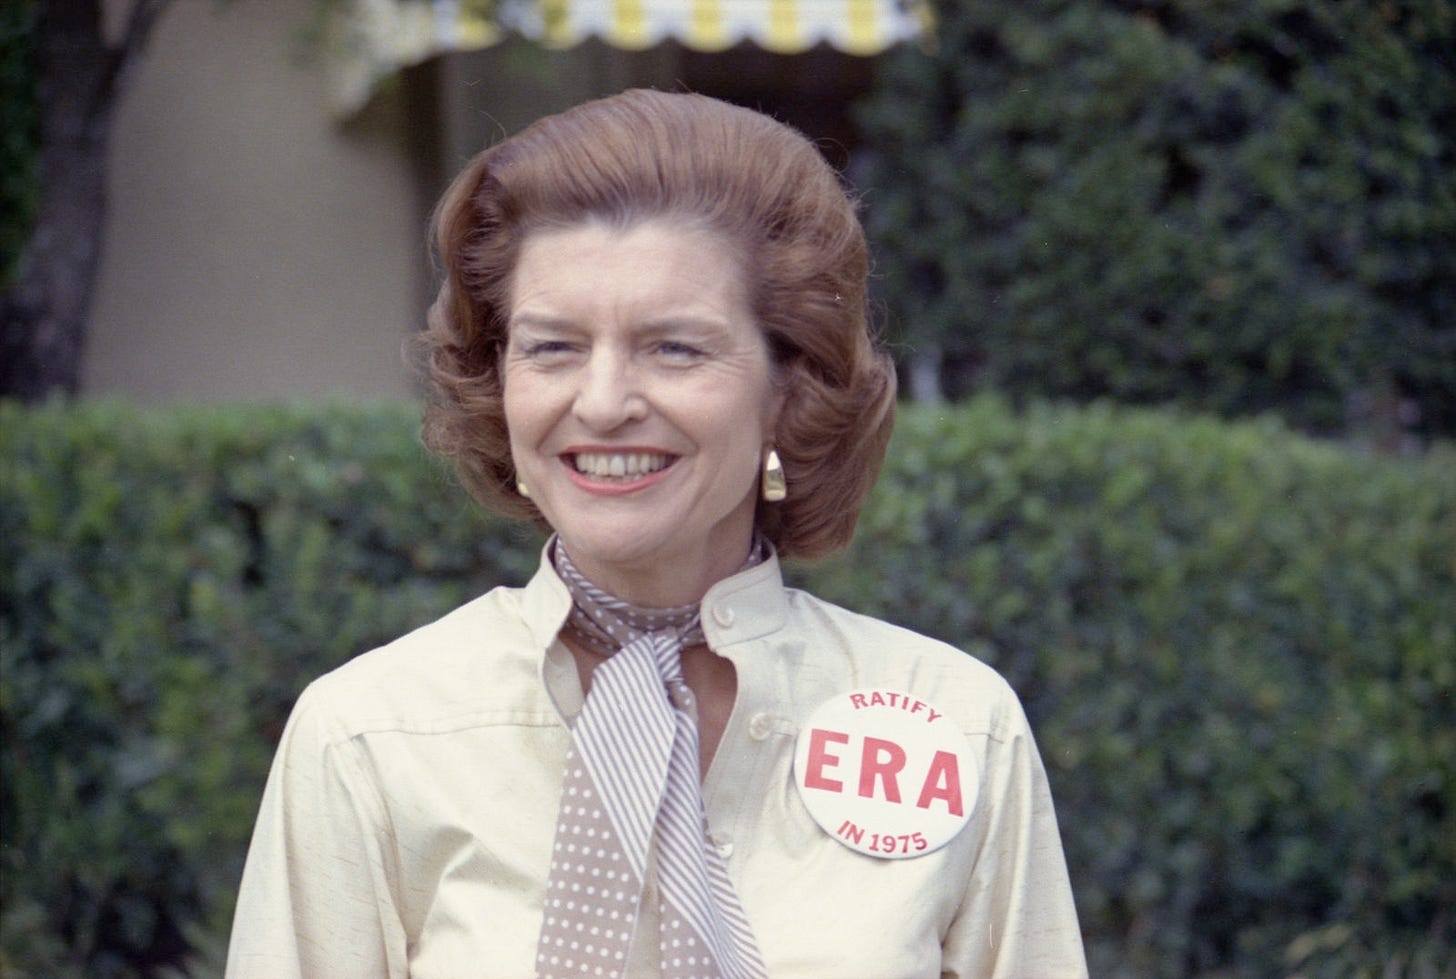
742 607
748 605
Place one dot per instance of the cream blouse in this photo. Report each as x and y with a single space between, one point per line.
408 822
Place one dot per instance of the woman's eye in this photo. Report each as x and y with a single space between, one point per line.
677 350
546 349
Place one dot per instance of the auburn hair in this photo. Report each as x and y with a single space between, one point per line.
644 155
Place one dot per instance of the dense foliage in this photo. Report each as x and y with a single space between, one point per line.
1234 206
1238 649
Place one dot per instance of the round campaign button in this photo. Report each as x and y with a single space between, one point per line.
885 773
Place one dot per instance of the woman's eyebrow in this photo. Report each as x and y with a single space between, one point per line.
701 322
651 326
539 321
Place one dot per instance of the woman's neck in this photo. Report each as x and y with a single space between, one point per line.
655 585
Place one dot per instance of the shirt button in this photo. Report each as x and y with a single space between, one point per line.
724 850
723 615
759 727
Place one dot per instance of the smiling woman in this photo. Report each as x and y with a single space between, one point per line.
653 758
639 401
770 201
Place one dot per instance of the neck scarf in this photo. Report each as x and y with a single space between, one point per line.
632 783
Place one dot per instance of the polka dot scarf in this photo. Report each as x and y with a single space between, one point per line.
632 805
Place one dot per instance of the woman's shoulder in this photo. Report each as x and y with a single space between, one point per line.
475 663
880 638
873 653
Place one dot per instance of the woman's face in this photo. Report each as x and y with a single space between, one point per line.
639 399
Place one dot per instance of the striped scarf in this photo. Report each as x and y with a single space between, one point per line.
632 803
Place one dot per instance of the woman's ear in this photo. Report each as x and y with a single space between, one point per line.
775 412
779 387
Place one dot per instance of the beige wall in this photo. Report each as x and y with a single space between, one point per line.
259 249
256 249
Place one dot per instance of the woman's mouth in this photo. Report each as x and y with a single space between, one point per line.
621 467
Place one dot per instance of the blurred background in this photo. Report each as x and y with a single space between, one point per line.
261 173
1237 208
1171 286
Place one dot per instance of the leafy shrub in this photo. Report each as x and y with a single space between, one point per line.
170 581
1238 649
1235 206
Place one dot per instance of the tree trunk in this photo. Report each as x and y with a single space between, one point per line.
78 80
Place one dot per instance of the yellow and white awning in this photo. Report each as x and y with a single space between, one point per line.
783 26
374 38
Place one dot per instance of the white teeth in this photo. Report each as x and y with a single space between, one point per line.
619 465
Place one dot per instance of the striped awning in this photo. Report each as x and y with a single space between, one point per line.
372 39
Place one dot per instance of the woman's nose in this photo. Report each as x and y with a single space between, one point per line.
609 396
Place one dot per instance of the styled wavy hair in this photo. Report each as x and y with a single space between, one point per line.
642 155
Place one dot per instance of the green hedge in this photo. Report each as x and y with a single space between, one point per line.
1238 648
1237 206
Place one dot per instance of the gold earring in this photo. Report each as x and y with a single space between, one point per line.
775 487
